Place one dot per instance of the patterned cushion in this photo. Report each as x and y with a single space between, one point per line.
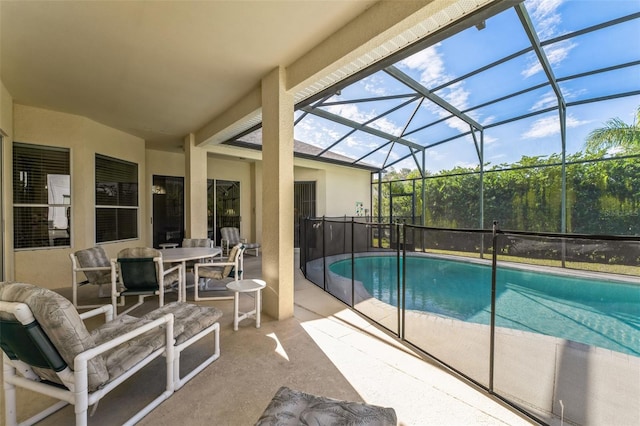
134 252
291 407
95 257
220 272
121 358
60 321
232 257
188 320
197 242
214 272
232 235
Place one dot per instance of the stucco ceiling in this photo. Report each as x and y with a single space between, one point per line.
158 70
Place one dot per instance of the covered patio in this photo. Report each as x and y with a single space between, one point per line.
221 90
324 349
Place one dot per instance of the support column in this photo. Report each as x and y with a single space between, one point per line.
277 195
195 189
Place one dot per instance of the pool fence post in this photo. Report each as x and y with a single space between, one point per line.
494 264
353 264
302 243
324 258
402 291
397 226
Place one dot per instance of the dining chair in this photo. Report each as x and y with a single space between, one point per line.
96 267
230 236
219 271
140 272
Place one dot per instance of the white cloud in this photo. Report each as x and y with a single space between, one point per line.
545 17
573 122
429 62
434 154
314 133
374 85
555 55
351 112
457 96
542 128
385 125
549 99
548 126
490 119
489 140
546 20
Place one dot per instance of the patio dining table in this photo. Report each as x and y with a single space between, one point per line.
184 254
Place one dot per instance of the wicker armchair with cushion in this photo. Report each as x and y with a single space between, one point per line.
47 349
96 267
219 271
230 236
140 272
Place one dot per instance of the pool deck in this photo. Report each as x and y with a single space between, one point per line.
557 380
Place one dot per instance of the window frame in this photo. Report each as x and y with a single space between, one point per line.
118 207
66 204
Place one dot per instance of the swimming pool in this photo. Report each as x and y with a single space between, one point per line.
586 310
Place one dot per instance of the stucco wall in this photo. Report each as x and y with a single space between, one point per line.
338 188
6 217
85 138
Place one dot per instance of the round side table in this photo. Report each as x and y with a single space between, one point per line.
246 286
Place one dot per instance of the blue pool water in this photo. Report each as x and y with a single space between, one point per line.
589 311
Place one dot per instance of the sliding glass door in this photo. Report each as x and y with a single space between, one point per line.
168 210
223 206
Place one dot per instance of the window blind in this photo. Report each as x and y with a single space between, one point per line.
41 196
116 199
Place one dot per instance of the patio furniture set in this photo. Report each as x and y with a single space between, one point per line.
48 349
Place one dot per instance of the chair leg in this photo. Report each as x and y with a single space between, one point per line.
11 416
179 382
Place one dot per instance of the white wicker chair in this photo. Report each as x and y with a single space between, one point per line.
230 236
140 272
96 267
47 349
220 271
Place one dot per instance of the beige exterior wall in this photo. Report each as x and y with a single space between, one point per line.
51 267
6 216
338 188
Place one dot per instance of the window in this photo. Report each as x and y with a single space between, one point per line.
304 205
41 196
116 199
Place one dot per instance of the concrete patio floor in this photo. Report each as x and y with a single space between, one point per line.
326 349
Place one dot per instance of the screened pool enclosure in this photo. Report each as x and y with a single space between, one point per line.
524 112
509 139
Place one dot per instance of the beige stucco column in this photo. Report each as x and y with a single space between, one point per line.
277 195
195 189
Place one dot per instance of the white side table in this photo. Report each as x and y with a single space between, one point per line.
247 286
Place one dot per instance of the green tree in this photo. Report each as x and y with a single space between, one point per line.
616 134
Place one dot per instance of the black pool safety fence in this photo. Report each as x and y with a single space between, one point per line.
548 323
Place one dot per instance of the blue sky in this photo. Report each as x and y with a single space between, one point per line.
472 49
